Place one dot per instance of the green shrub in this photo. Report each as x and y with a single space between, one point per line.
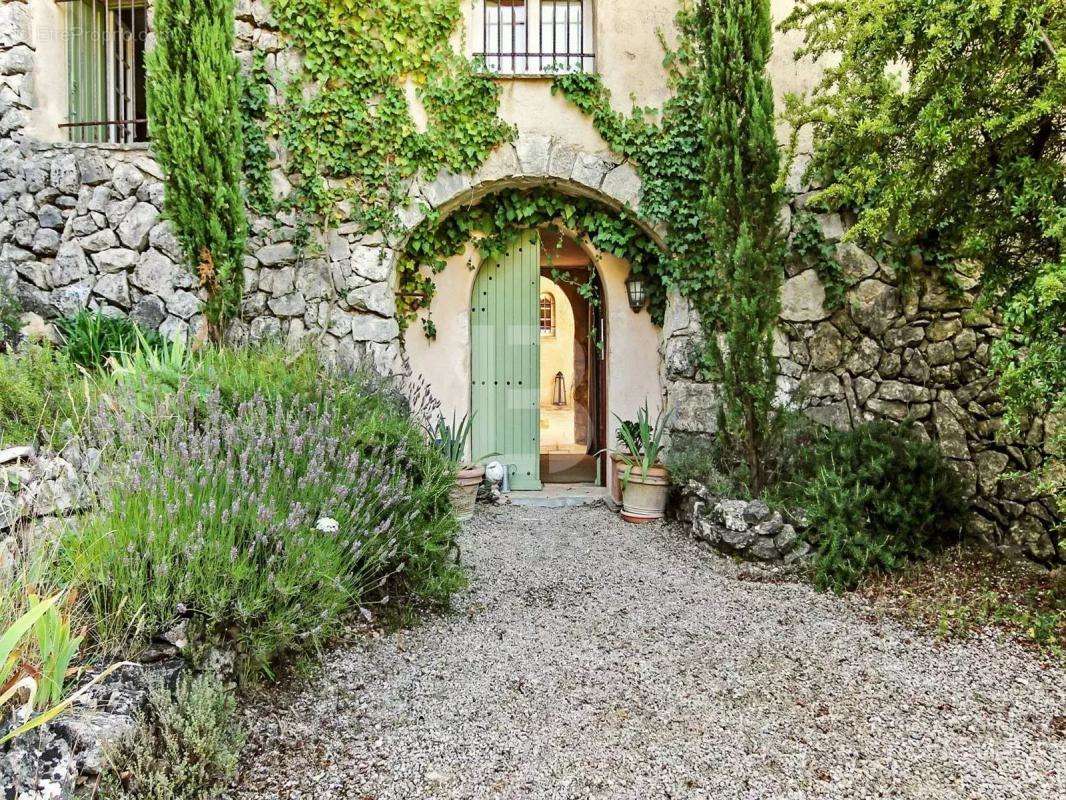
185 746
876 497
40 390
697 458
216 512
268 370
90 338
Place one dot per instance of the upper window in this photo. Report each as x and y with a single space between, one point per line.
105 70
535 37
547 315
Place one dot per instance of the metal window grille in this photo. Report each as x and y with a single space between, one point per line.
105 69
536 37
547 315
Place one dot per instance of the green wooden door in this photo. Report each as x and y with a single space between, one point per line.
505 360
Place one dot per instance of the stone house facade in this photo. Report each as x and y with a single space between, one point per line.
83 226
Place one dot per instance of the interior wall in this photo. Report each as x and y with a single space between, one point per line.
632 348
557 355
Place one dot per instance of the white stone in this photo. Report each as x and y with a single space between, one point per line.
274 254
376 298
155 274
100 240
115 260
446 187
290 305
126 179
501 163
134 228
369 328
533 151
372 262
183 304
589 170
115 288
803 298
623 184
64 174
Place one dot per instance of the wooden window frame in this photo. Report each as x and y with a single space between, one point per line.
548 332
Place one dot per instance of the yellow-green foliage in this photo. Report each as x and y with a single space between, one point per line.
40 389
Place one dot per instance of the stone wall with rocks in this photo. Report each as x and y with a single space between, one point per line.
83 227
36 491
886 353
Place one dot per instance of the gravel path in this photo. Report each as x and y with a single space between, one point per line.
593 659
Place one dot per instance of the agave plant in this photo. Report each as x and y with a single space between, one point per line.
451 440
643 440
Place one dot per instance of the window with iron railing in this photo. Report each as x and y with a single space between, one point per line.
105 70
537 37
547 315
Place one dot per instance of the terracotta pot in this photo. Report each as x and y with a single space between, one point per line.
644 496
464 493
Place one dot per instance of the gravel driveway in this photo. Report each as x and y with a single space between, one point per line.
593 659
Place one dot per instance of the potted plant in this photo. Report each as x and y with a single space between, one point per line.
618 457
645 481
451 441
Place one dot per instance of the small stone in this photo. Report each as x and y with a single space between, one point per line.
125 179
115 288
148 312
730 513
115 259
274 254
803 298
290 305
136 224
786 538
756 511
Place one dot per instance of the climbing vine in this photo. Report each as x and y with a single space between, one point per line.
255 109
347 128
809 248
492 225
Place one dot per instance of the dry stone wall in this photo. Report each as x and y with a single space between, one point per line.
889 353
84 227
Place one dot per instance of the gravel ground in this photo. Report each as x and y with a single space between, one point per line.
594 659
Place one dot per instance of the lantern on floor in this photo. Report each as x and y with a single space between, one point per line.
638 294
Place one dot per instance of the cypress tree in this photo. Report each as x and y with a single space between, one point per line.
193 90
742 207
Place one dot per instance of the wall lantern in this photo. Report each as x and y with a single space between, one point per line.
638 295
559 395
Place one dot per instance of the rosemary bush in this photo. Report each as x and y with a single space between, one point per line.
185 746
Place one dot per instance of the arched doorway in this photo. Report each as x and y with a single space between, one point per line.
538 361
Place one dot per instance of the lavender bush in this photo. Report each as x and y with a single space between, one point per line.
265 522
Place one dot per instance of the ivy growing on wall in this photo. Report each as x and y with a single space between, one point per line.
492 225
347 128
255 111
666 146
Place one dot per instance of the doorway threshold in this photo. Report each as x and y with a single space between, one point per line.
560 495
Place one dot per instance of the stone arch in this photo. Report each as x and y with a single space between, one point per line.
531 161
366 263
